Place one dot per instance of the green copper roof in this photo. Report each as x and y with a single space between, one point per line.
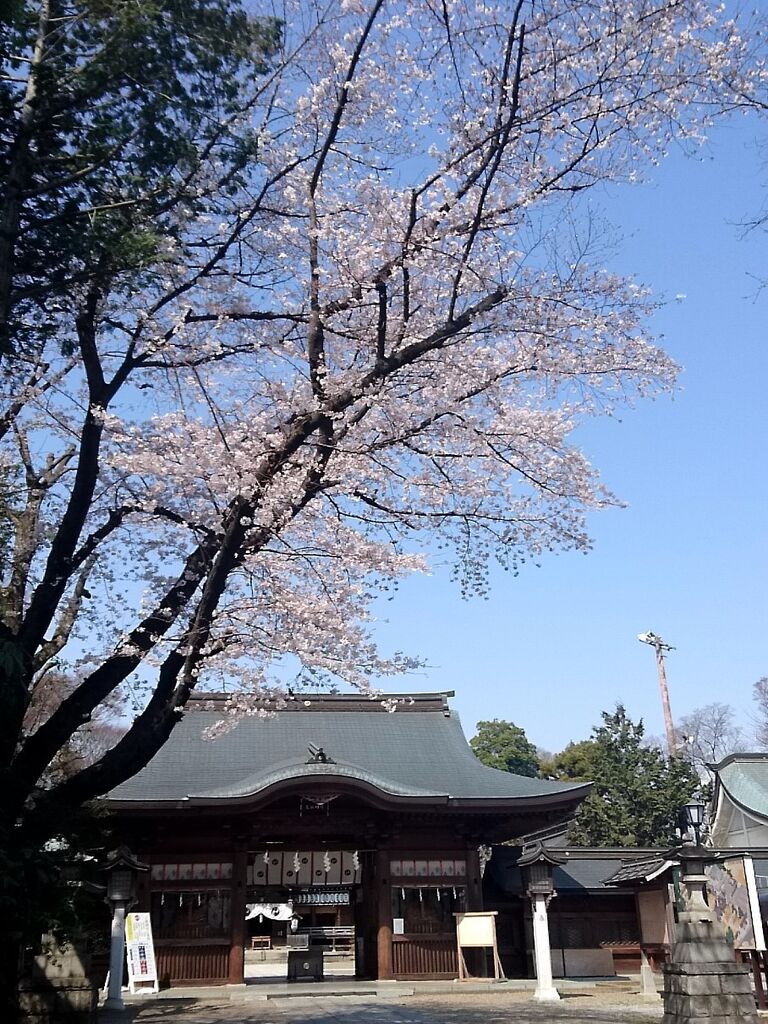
418 751
745 778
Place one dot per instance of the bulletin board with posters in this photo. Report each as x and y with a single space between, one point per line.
140 950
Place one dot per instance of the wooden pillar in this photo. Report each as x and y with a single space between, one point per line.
143 902
238 926
384 932
757 974
367 920
474 881
476 959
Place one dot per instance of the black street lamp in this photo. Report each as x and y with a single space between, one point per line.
693 817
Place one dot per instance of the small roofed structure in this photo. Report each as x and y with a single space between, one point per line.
365 819
599 924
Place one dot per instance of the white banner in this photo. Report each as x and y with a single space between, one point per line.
141 951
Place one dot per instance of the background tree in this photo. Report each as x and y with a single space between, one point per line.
760 694
708 734
505 746
575 763
90 742
283 305
638 793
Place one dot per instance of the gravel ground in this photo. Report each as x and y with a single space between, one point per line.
475 1008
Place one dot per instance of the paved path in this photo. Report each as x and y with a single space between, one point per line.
475 1008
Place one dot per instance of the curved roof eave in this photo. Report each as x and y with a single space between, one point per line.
747 808
259 782
263 786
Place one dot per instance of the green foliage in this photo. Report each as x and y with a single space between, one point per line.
505 746
41 887
128 100
573 764
638 792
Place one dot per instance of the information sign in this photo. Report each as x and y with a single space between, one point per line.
477 930
140 949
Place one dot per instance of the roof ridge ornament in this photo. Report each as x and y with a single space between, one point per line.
317 755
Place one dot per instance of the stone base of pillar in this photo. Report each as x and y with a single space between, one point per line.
648 989
548 995
719 992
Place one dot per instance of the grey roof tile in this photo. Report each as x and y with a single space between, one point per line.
411 752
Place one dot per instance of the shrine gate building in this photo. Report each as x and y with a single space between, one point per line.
362 821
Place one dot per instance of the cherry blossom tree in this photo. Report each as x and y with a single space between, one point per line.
353 318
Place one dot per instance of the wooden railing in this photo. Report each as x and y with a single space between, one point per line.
189 962
424 956
331 936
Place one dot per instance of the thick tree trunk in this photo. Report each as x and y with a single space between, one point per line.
10 958
13 889
15 679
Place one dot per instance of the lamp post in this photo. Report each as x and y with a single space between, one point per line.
122 869
693 818
537 865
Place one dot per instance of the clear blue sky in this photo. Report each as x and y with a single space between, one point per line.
688 558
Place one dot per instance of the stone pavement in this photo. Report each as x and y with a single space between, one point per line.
508 1007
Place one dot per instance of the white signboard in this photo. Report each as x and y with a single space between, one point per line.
140 951
476 930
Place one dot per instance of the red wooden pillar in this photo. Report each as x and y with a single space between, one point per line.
143 899
474 881
476 958
384 932
238 926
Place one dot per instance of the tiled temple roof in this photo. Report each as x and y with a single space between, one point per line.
417 752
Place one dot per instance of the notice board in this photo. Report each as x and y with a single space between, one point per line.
140 949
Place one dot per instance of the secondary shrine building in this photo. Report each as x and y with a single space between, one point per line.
334 815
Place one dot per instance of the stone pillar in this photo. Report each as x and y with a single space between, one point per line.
703 979
238 928
114 999
384 931
648 988
545 989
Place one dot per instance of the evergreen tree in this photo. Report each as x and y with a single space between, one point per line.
505 746
575 763
638 792
108 113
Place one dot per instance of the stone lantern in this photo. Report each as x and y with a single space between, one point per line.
122 869
537 864
703 979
